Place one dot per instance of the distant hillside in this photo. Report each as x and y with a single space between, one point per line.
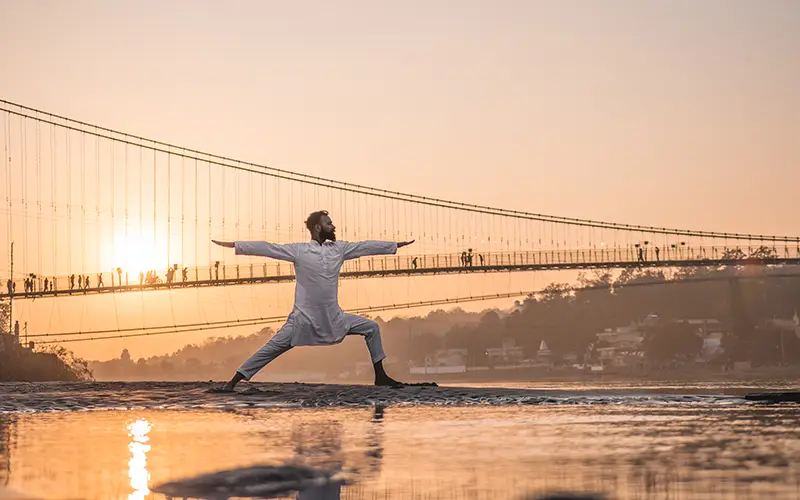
218 358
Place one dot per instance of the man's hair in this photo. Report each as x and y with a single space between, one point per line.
314 219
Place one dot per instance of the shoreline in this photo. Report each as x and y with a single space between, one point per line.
82 396
687 374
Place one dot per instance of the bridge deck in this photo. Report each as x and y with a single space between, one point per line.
389 266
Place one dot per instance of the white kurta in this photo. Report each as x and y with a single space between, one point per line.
317 317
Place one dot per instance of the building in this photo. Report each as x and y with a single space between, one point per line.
712 332
622 346
443 361
788 325
509 354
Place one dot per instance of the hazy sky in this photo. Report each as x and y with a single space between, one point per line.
670 113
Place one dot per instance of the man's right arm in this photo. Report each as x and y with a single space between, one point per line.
287 252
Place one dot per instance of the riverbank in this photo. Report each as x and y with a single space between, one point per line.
19 363
689 373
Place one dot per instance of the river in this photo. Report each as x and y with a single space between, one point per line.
661 441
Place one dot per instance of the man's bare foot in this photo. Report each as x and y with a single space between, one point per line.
387 381
229 387
225 388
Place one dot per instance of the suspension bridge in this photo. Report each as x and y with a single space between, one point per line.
92 210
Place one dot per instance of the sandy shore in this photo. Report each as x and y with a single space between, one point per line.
69 396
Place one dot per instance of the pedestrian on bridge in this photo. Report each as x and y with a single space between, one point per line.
316 318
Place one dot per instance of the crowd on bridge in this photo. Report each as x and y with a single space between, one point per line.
466 259
35 285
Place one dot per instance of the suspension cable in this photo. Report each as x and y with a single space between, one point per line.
388 194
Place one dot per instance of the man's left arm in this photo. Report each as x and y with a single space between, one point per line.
354 250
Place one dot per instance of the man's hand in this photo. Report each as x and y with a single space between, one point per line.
404 243
227 244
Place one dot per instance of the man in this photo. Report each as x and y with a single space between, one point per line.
316 318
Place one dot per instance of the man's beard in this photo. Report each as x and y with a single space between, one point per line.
328 235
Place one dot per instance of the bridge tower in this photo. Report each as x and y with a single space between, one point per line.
741 323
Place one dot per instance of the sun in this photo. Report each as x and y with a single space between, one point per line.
137 256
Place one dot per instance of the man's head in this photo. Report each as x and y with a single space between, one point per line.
321 226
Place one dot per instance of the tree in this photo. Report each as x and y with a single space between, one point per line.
423 345
668 341
763 252
5 316
733 254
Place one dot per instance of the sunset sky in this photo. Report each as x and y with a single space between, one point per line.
669 113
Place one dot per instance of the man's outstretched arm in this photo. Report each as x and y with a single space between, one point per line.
354 250
277 251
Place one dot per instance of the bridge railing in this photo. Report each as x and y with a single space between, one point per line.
469 261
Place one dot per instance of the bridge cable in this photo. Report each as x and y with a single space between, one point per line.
410 197
24 169
268 320
570 289
39 242
53 199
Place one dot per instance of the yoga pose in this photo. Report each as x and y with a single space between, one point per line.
316 318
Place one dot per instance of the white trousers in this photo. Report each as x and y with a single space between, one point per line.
282 342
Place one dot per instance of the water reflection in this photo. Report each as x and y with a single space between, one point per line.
137 464
659 451
320 443
7 427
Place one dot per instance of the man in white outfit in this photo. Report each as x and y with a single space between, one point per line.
316 318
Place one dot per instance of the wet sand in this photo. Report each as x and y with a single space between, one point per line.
69 396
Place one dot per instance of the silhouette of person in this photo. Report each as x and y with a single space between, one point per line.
480 257
46 284
658 250
641 254
99 280
216 270
414 262
10 285
185 274
317 318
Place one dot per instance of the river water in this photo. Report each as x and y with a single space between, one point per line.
625 441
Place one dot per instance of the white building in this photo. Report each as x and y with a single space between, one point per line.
444 361
509 354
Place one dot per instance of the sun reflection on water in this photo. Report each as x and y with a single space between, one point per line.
137 464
